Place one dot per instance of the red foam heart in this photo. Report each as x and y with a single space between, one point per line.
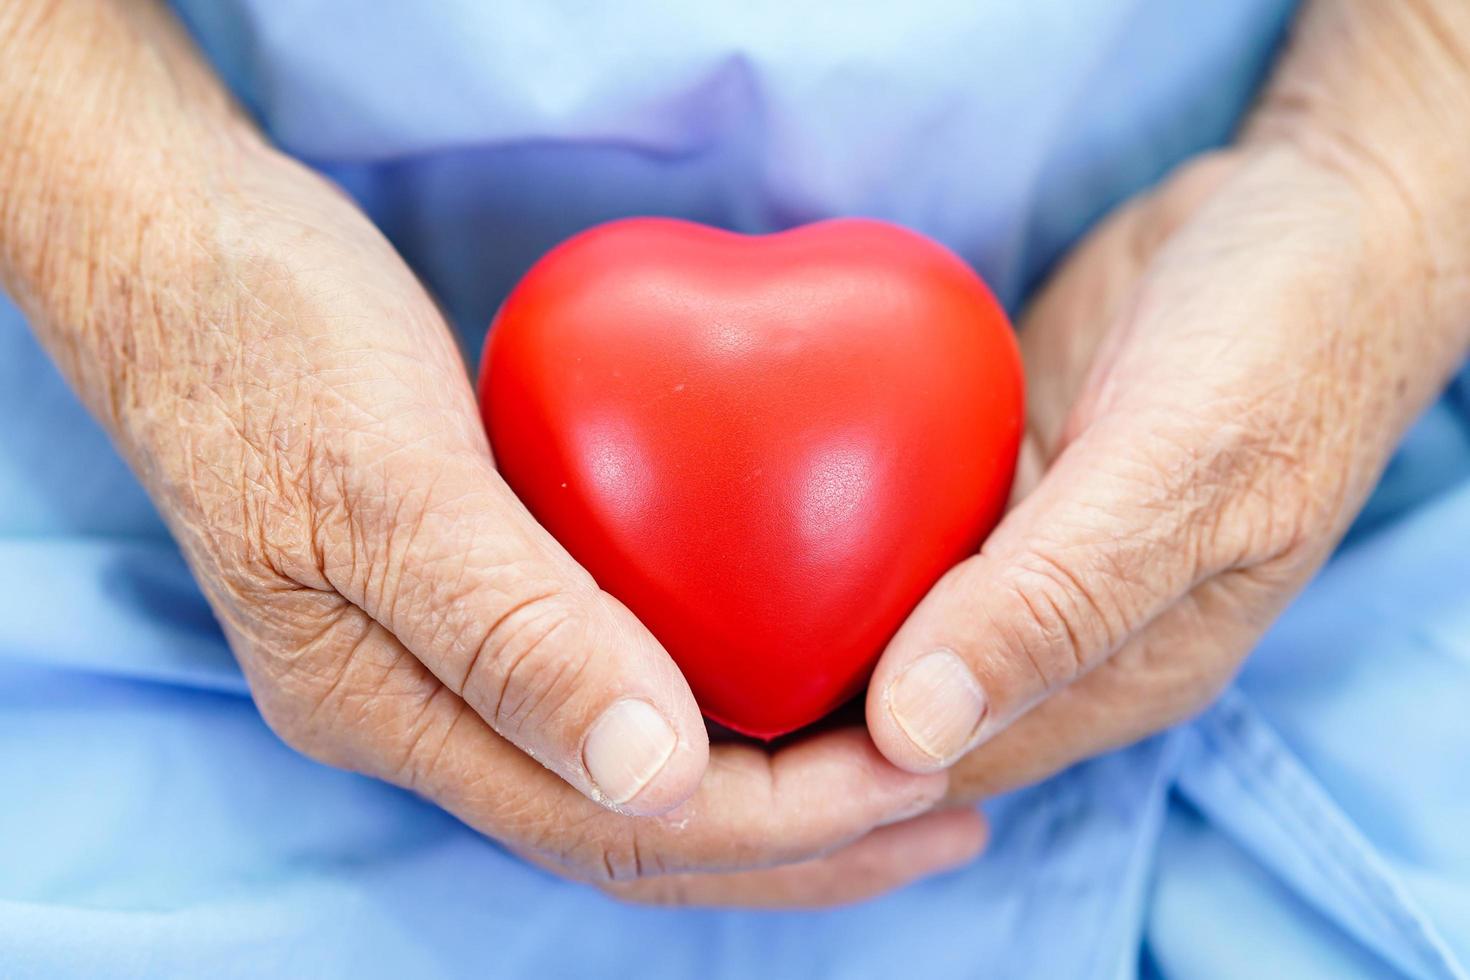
768 448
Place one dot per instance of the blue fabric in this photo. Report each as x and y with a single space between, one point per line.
1311 824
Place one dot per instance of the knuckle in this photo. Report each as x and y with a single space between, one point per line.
530 661
1067 617
607 852
625 859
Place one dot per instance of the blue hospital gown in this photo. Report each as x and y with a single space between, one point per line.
1316 822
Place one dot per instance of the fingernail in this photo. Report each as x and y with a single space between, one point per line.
938 704
626 748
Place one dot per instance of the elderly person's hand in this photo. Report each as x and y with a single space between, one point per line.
1217 377
298 410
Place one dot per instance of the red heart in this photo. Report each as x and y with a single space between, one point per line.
768 448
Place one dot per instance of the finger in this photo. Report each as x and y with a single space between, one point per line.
1170 671
440 552
388 716
1096 551
886 859
753 810
757 808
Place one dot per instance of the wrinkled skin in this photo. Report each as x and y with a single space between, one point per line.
1197 445
1216 377
296 406
392 606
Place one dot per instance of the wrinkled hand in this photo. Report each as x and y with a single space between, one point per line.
298 410
305 424
1216 378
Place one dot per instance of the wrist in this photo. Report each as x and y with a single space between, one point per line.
1374 96
116 151
109 126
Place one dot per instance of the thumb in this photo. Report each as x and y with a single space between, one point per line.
1096 551
491 604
